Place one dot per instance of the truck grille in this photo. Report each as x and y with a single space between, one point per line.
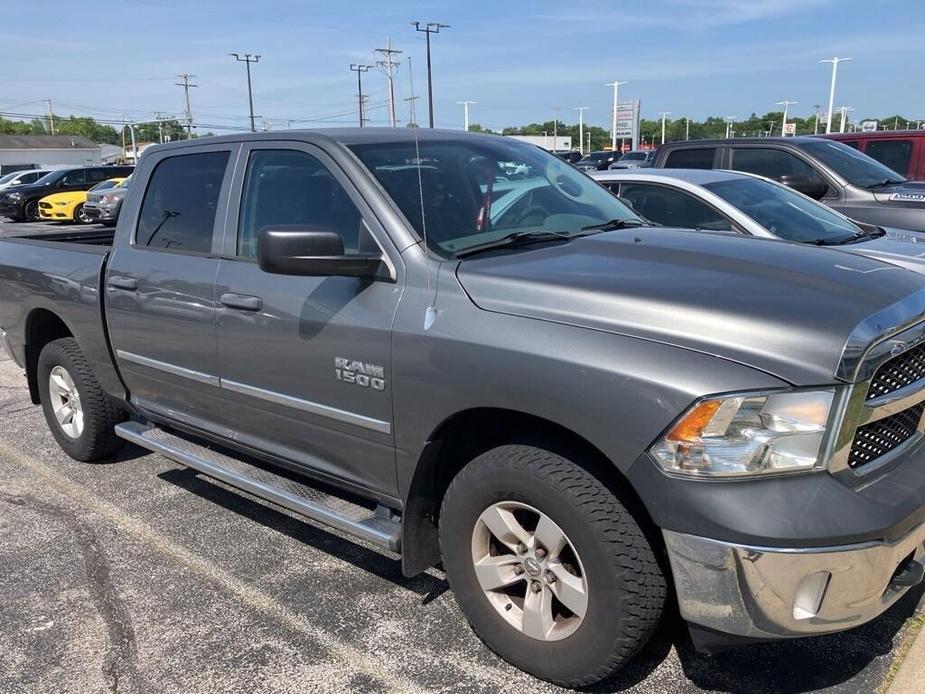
901 371
876 439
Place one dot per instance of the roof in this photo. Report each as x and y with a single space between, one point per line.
879 135
696 176
796 139
46 142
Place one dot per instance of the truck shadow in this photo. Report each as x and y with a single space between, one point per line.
859 658
369 560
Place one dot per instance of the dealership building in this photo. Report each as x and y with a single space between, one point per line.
47 151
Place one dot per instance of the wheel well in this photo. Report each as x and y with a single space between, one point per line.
470 433
42 327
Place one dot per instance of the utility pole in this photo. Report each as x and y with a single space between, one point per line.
413 118
589 143
613 130
123 138
816 127
783 124
248 59
581 127
360 69
663 114
160 127
687 129
835 61
555 127
185 83
51 117
389 67
430 28
465 105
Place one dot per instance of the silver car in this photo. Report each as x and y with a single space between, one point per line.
713 200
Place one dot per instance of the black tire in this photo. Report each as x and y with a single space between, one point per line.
100 413
626 587
79 217
31 211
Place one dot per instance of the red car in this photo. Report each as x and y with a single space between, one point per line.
901 150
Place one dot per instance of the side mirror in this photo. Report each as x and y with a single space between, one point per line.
312 252
804 184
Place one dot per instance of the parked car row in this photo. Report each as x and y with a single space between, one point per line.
461 349
63 195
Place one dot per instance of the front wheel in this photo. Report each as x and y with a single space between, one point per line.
31 211
550 568
80 415
80 215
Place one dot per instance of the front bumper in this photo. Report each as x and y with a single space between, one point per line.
56 213
11 209
100 214
775 593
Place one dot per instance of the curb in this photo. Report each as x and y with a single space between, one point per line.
909 677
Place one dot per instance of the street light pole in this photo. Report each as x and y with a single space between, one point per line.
430 28
729 121
828 117
663 114
783 124
844 117
465 105
581 127
613 130
816 127
687 129
247 60
555 128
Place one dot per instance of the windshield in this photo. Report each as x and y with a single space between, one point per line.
477 190
51 177
9 177
783 212
633 156
854 166
105 185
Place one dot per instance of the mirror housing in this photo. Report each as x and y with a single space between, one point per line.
804 184
312 252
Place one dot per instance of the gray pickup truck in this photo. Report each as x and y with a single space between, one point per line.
461 349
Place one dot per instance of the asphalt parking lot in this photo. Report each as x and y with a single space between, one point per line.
137 575
8 228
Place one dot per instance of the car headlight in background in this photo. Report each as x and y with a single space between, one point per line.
14 196
748 434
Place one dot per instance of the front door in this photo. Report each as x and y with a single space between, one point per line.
305 362
160 285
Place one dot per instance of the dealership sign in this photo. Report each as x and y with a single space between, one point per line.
870 126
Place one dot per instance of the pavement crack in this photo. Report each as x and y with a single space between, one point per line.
120 661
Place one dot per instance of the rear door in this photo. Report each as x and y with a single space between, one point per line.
305 362
160 301
894 153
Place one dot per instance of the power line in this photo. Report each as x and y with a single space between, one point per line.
430 28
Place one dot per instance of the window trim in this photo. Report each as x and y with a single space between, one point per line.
735 227
229 241
155 160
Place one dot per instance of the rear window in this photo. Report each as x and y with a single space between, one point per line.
178 210
894 154
700 158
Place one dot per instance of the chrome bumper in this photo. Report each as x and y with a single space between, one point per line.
775 593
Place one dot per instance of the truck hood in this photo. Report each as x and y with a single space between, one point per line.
783 308
907 194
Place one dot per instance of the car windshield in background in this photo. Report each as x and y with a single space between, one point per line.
785 213
9 177
854 166
478 190
105 185
50 177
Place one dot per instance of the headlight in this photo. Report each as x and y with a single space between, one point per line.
15 196
748 434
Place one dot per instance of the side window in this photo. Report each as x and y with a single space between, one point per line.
852 143
97 175
294 188
75 178
772 163
673 208
700 158
178 210
892 153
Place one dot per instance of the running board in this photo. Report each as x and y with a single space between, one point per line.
378 526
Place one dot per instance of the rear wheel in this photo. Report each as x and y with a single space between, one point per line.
550 568
80 415
80 216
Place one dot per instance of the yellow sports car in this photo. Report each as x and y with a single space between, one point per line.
69 207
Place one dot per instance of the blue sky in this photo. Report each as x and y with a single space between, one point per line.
516 60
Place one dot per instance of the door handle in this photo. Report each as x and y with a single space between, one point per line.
242 302
129 284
